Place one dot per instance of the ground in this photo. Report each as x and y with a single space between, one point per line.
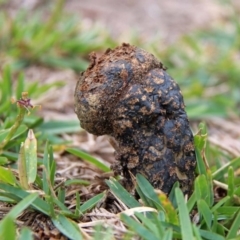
167 19
150 19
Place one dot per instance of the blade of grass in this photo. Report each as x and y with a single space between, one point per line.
196 233
91 202
148 190
8 229
7 225
7 176
9 198
77 209
151 225
21 129
138 228
3 160
159 220
202 189
200 163
46 188
30 150
39 204
61 195
144 198
235 227
22 205
76 181
59 127
185 223
52 166
26 234
172 196
120 192
88 158
234 163
191 202
67 227
61 206
220 203
231 185
210 235
168 234
22 168
205 211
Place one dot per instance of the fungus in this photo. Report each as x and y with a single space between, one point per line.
128 95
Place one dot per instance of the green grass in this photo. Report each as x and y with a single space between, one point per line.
206 66
59 41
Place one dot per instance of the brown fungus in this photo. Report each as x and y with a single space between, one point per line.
127 94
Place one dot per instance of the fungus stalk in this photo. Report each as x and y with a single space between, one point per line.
128 95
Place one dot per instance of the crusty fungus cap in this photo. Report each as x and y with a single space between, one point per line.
101 85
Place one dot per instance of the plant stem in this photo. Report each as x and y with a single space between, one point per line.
14 128
23 105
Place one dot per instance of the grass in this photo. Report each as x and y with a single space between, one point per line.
157 217
62 41
206 66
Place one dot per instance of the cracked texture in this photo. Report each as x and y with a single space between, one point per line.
127 94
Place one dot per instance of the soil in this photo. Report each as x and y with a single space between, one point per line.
147 18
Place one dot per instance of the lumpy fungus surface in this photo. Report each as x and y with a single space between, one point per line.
127 94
